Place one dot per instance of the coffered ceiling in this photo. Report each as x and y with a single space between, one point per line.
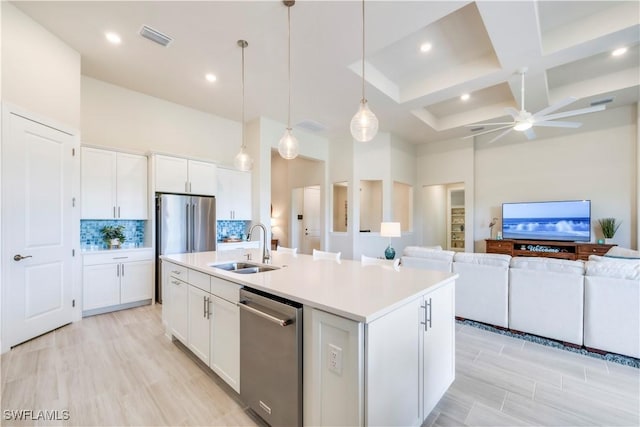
476 48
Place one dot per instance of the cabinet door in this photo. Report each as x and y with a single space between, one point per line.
131 186
202 178
171 174
225 341
224 196
242 201
438 345
100 286
98 184
179 309
199 331
136 281
394 367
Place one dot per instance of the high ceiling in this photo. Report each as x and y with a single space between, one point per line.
477 48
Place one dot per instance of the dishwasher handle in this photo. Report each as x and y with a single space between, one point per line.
282 322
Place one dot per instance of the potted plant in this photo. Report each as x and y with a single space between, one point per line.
113 235
609 227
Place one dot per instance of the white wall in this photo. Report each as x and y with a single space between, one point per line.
434 215
40 73
113 116
442 163
599 164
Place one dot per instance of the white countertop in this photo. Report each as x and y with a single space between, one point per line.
94 249
348 289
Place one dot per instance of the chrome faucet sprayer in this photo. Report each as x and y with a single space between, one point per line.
265 252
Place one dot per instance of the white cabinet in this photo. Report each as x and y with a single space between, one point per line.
111 279
225 341
198 331
203 314
178 314
114 185
178 175
233 201
438 345
396 368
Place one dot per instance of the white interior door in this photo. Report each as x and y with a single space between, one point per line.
311 219
37 172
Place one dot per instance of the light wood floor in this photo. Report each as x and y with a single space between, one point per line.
119 369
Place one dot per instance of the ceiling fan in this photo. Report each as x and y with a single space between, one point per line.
523 121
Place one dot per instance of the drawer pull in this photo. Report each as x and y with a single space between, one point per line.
176 271
120 257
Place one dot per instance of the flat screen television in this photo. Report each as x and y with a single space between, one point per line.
568 220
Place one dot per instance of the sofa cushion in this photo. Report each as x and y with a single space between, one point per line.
418 251
497 260
564 266
598 258
618 252
616 270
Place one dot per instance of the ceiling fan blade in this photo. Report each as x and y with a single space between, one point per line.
530 134
500 135
571 113
558 124
510 125
489 124
558 105
512 112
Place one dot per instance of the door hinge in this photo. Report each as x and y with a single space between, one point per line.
73 303
73 202
73 152
73 252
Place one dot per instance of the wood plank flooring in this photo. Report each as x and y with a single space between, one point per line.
119 369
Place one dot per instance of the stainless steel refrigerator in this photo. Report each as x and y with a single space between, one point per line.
183 224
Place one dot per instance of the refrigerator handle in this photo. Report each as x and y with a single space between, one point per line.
188 230
193 227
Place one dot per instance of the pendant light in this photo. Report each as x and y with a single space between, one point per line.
364 125
288 145
243 161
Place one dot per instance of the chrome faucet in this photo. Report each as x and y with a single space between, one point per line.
265 252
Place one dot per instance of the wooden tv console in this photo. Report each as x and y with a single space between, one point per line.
543 248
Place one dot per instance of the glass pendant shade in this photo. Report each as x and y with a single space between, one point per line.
364 125
288 145
243 161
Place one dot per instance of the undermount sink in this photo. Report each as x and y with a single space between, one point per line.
244 267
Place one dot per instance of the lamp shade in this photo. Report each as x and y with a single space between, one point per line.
390 229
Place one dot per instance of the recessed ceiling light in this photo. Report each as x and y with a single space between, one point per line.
113 38
619 51
211 77
465 97
425 47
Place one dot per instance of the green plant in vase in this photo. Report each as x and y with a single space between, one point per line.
609 227
113 235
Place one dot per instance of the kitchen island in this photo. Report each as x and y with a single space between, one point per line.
378 342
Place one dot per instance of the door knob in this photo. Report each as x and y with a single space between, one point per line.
19 257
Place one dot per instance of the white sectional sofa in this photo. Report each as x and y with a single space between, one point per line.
427 258
595 304
482 289
612 306
546 297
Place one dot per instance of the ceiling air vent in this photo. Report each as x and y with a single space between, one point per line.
155 36
601 102
477 129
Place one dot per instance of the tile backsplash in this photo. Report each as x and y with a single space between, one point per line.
232 229
90 232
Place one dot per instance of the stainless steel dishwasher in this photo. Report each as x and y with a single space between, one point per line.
271 357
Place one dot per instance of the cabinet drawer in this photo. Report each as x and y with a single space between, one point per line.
117 255
177 271
593 249
499 247
224 289
200 280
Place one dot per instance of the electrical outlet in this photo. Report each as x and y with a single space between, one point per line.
334 359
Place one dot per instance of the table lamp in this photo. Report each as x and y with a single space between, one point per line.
390 229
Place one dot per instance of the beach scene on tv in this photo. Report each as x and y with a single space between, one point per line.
565 221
